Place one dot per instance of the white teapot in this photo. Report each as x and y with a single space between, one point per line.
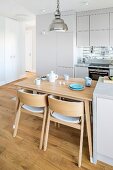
52 76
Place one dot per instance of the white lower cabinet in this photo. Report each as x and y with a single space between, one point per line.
81 72
65 70
104 119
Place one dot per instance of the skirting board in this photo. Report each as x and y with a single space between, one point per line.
105 159
2 83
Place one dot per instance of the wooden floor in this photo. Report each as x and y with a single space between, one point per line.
22 152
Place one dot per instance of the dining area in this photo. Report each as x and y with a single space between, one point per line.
65 101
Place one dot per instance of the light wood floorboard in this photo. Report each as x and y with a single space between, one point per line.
22 152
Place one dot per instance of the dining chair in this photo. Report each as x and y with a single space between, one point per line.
69 113
34 104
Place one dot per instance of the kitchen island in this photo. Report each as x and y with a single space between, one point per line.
103 122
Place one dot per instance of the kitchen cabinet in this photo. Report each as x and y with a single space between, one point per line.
64 47
11 53
99 30
99 38
111 20
102 122
104 125
82 31
99 22
82 23
83 39
111 38
46 45
65 70
111 71
54 49
2 57
81 72
69 20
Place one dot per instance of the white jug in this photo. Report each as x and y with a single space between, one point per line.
52 76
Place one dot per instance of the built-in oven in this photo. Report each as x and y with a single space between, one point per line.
97 70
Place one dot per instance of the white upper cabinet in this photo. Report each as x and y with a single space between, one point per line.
111 20
64 48
83 39
99 38
82 31
69 22
99 21
99 29
82 23
111 38
2 57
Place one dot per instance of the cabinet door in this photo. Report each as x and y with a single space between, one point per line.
11 49
99 21
46 53
104 127
99 38
83 39
111 38
2 57
81 72
65 70
69 21
111 20
83 23
65 49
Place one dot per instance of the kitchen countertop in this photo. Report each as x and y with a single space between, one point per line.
104 90
86 65
81 65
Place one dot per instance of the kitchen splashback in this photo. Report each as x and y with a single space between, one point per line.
95 54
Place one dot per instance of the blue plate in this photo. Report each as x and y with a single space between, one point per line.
76 86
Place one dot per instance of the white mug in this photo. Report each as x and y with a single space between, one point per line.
37 81
66 77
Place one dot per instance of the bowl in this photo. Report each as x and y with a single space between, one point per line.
43 77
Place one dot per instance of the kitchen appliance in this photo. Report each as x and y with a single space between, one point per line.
96 70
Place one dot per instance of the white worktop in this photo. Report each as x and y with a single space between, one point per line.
104 90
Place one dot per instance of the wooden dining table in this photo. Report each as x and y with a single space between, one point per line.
61 88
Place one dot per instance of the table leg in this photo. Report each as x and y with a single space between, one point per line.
88 125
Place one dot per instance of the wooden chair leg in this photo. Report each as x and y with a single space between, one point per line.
17 121
43 128
81 142
47 132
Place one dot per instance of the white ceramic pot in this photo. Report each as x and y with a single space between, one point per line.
52 77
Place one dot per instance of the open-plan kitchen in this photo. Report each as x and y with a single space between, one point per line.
56 85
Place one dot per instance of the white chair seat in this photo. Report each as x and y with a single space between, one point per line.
33 109
66 118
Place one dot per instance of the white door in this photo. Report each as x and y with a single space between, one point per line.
28 45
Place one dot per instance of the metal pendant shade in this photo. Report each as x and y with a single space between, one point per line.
58 24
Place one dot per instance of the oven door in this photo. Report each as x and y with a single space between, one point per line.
95 74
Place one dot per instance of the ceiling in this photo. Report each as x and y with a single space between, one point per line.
27 9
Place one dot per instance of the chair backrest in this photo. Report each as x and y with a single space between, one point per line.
67 108
36 100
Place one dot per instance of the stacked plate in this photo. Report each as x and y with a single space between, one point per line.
76 87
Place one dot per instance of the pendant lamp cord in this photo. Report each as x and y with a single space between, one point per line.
58 5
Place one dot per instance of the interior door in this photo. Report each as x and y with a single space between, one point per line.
28 46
